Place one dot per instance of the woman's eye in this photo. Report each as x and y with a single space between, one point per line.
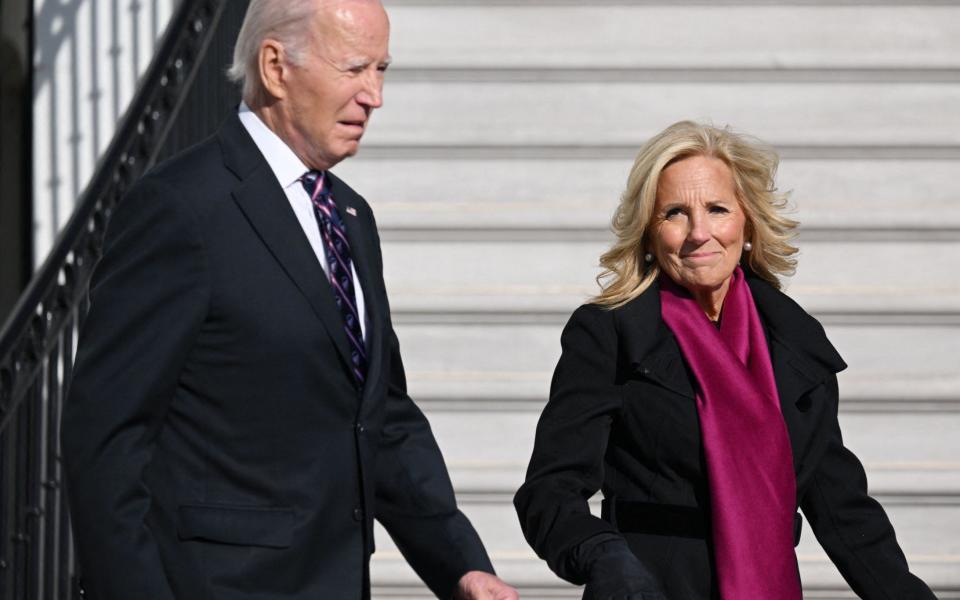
717 209
673 212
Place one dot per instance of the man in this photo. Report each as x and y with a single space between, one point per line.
238 413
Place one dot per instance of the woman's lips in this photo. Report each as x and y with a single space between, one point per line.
699 256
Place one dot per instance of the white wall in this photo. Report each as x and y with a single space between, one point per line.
89 54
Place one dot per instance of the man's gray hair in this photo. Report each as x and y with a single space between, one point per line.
290 22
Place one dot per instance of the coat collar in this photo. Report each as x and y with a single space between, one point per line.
648 344
262 200
801 354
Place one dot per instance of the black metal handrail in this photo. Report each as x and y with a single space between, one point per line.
182 98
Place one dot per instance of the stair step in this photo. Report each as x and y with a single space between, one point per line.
560 193
595 116
520 272
658 35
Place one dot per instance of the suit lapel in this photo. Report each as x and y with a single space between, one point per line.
265 206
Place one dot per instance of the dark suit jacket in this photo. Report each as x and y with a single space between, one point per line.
622 416
216 444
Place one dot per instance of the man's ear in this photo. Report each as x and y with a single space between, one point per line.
273 68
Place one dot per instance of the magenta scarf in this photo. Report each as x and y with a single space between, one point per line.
745 442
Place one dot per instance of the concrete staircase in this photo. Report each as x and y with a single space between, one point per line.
508 131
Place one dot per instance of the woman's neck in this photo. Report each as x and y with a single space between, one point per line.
711 299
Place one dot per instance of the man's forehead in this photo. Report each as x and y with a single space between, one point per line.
353 32
353 19
349 10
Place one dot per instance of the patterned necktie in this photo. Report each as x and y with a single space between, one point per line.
337 250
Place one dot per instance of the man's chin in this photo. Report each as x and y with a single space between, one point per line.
350 148
340 153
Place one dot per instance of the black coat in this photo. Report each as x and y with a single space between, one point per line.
622 417
217 445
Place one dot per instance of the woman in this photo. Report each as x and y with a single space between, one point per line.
702 400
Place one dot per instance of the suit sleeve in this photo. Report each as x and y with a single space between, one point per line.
414 496
566 468
147 300
853 528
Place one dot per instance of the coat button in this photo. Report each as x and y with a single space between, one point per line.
360 428
357 514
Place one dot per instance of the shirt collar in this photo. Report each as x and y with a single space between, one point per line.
286 166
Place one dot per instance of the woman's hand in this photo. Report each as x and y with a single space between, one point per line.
617 574
624 589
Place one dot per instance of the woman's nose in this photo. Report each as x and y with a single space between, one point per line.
699 231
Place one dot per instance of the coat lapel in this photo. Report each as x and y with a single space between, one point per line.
265 206
652 349
801 350
795 378
664 365
801 356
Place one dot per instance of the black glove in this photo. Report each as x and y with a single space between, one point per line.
617 574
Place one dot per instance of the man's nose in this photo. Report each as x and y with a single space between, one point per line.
371 95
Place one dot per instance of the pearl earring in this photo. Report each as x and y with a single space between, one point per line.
747 246
648 257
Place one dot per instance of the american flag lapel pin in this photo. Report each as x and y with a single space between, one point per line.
351 211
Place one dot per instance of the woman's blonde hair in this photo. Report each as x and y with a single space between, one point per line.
753 164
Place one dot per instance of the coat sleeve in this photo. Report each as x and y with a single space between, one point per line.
147 300
853 528
566 467
415 500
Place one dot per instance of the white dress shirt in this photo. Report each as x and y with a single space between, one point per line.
288 169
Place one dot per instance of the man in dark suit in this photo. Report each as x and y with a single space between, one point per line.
238 414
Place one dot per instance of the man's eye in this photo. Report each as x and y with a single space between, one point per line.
382 68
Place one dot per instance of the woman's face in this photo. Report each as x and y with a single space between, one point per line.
698 224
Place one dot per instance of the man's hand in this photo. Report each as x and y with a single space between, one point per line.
477 585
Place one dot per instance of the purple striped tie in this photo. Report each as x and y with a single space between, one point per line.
337 250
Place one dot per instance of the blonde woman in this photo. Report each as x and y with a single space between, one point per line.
702 401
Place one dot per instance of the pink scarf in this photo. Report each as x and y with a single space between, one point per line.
745 442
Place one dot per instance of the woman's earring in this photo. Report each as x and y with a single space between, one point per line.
747 246
648 257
